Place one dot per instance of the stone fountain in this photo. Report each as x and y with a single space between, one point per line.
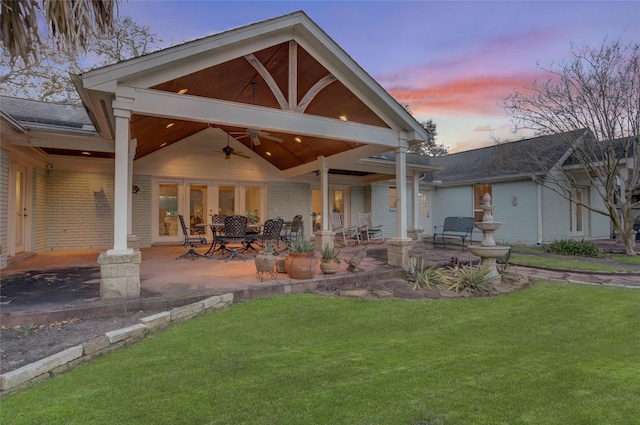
488 251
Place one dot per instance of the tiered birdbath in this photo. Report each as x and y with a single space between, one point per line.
488 251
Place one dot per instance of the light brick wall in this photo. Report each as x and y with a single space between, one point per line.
555 217
357 203
381 213
452 202
285 200
141 210
78 218
4 206
520 221
38 211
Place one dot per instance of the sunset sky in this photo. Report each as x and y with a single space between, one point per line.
451 61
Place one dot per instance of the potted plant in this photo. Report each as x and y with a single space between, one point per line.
330 262
265 260
301 263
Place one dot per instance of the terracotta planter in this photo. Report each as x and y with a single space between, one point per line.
301 266
329 266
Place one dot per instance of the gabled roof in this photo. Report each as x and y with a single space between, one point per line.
506 161
284 76
29 112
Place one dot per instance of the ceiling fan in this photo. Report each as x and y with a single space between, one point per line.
228 151
254 134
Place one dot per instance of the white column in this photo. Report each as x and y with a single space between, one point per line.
415 199
122 185
324 190
132 154
401 192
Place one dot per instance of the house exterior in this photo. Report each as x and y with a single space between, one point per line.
530 213
152 141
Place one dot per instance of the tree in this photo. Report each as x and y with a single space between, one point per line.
597 91
128 40
47 77
70 24
429 147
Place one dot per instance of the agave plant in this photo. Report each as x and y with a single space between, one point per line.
302 246
472 278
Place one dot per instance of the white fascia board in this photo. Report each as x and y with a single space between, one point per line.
272 32
190 63
94 144
200 109
13 123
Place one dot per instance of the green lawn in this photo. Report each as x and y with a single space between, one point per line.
550 354
608 263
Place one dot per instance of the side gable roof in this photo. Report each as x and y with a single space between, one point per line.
28 112
506 161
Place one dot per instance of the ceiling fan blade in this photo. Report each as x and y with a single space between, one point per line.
274 138
242 155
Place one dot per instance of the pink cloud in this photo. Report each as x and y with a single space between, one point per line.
463 96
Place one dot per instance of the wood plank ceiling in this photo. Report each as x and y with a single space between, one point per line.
238 81
232 81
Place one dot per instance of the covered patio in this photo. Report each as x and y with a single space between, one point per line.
275 105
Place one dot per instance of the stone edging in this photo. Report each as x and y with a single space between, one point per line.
27 375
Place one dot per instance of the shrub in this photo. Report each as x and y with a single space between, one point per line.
471 278
428 278
575 248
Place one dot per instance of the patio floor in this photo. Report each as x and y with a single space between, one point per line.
58 285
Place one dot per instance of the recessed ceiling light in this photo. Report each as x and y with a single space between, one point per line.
86 153
297 139
342 117
183 91
163 145
171 124
268 153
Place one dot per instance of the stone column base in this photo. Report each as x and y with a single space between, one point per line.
415 234
324 238
120 275
399 252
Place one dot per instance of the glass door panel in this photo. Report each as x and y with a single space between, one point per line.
226 200
20 210
252 204
168 209
197 204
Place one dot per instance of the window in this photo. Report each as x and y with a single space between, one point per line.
393 200
478 199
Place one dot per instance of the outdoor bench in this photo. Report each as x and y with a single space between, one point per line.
461 227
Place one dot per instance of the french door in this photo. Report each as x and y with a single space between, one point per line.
578 213
424 217
198 201
19 207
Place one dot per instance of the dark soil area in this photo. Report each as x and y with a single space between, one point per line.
25 345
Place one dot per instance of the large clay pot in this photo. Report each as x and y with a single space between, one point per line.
301 266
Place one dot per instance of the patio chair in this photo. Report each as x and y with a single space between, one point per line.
192 235
337 225
368 230
271 233
235 233
292 231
